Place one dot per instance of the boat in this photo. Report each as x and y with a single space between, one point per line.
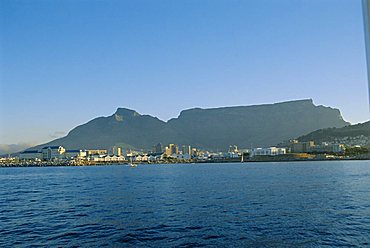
131 164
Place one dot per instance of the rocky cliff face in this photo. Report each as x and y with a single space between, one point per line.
214 129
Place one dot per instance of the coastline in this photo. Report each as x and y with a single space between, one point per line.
22 164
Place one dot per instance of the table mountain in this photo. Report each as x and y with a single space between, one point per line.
213 129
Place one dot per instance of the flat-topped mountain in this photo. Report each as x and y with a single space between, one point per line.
214 129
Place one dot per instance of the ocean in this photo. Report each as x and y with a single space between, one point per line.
285 204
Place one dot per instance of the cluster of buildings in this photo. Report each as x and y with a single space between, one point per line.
269 151
295 146
172 152
352 141
49 153
233 153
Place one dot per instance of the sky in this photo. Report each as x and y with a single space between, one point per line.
63 63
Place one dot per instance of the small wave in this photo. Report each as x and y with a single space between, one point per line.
214 237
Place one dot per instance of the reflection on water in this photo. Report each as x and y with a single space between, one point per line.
252 204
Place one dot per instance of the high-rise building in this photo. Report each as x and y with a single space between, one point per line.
167 151
158 148
117 151
174 149
186 149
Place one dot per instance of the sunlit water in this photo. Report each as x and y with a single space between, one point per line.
303 204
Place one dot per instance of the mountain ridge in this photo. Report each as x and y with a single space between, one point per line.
334 134
206 128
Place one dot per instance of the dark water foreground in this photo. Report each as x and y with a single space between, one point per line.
303 204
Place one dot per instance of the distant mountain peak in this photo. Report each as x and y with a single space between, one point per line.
123 113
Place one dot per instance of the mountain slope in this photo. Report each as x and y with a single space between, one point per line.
361 131
214 129
125 127
259 125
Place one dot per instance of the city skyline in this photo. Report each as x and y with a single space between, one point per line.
65 63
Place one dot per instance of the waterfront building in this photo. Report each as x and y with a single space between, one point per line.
301 147
203 157
151 158
231 155
141 158
270 151
138 158
53 152
181 156
96 158
218 156
106 158
113 158
159 156
96 152
31 155
246 151
71 154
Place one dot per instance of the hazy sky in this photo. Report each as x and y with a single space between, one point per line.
66 62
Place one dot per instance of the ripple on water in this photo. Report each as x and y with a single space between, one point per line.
236 205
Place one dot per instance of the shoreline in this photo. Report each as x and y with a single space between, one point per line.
71 164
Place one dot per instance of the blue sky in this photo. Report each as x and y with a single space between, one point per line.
66 62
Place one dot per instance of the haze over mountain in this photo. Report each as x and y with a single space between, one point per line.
13 148
213 129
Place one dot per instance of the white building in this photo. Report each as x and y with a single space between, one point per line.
270 151
53 152
106 158
46 153
156 157
141 158
115 158
70 154
231 155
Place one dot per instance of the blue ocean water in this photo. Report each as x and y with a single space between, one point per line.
295 204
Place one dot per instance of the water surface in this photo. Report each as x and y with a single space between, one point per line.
302 204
